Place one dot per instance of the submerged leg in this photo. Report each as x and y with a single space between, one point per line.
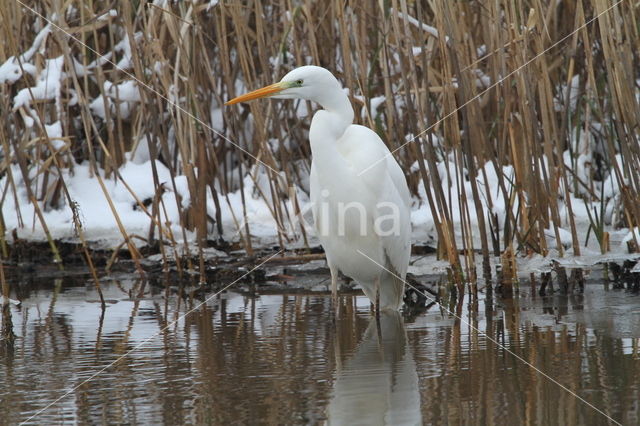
334 288
377 284
379 329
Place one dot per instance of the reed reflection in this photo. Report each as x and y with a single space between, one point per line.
279 359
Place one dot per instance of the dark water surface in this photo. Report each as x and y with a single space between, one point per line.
279 359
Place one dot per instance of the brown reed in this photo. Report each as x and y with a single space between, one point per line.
432 61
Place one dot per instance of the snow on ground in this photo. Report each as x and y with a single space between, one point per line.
100 222
97 218
253 204
101 226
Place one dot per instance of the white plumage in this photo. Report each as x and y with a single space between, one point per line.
359 194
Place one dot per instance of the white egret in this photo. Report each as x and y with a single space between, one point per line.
359 194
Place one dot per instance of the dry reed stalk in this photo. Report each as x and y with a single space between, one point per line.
432 61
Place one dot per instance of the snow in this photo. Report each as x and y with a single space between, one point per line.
47 86
121 99
4 300
259 207
212 4
413 21
483 81
633 234
112 13
124 46
95 213
565 236
611 187
100 224
54 133
10 71
572 91
140 154
372 108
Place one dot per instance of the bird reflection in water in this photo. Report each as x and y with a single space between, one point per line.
378 382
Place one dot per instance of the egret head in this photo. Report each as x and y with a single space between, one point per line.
309 82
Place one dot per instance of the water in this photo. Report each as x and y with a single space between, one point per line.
280 359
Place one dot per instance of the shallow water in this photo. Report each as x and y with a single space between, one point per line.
279 359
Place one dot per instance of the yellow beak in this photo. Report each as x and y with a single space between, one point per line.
272 89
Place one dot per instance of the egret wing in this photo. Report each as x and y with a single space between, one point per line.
380 172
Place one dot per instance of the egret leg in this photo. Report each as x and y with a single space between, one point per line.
378 328
334 288
377 298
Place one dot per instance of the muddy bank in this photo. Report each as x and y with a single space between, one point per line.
290 270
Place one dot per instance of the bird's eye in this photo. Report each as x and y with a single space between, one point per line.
299 82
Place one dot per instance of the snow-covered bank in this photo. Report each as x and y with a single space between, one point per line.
131 208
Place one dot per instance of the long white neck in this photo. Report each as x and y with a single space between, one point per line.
329 125
337 103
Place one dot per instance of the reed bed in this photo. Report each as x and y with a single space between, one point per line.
510 118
